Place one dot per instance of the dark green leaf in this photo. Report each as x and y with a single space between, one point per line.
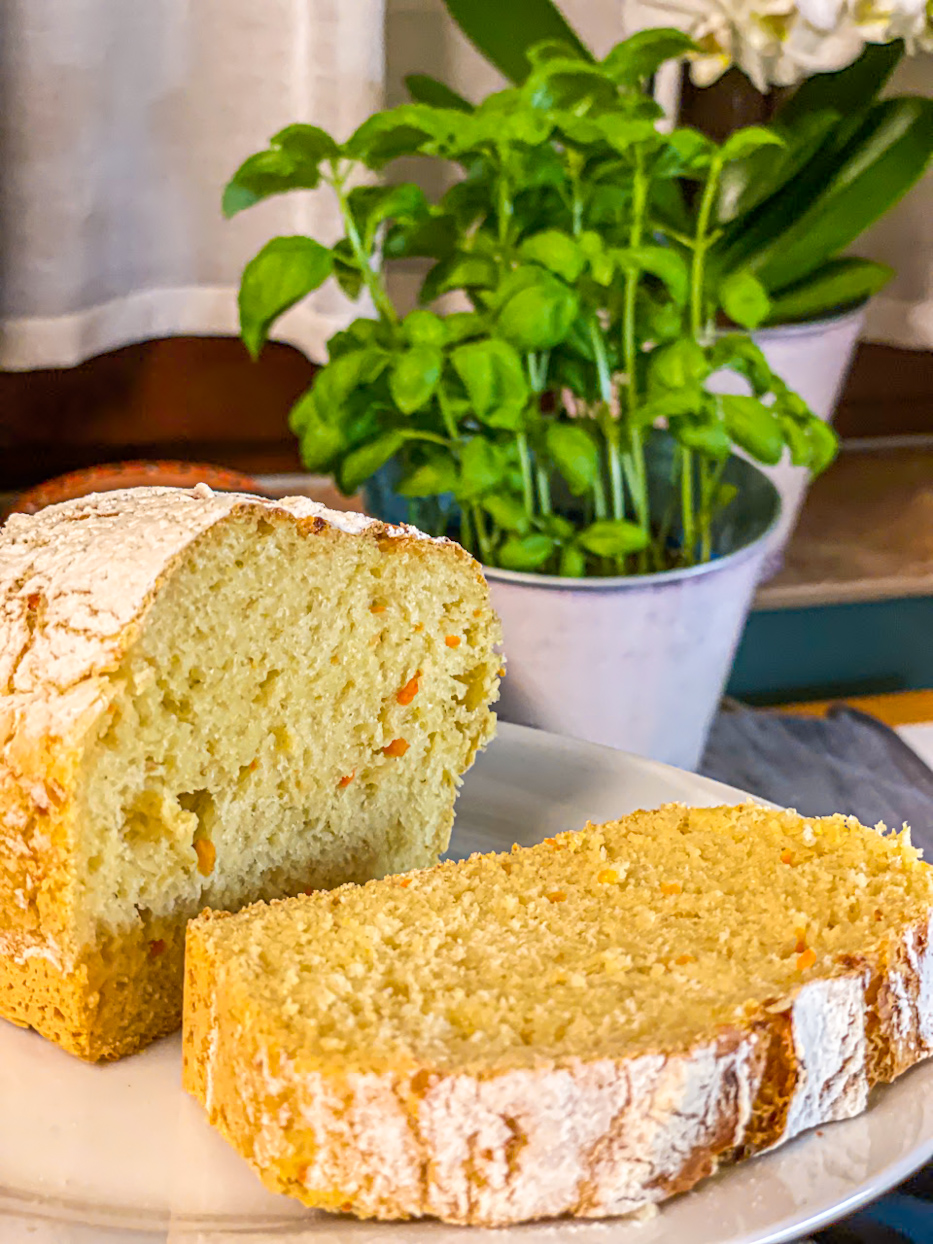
844 90
506 33
361 332
427 90
539 316
460 272
613 537
556 251
886 156
525 552
358 466
436 475
431 236
319 441
284 272
371 205
641 55
753 427
575 455
572 562
264 174
346 269
481 468
748 182
677 365
744 299
506 512
741 144
492 375
423 328
414 377
837 285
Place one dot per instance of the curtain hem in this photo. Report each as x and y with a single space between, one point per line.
29 343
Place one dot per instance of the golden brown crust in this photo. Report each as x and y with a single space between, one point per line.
388 1145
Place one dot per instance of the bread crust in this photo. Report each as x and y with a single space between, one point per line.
76 583
587 1139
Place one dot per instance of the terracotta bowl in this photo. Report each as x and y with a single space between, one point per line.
112 475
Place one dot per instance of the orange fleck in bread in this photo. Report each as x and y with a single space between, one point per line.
197 695
549 1032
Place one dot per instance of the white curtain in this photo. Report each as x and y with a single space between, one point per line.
120 122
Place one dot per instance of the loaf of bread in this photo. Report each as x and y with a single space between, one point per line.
582 1027
211 699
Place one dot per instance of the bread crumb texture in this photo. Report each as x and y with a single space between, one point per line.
187 682
583 1027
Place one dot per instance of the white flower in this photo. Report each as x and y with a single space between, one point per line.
780 42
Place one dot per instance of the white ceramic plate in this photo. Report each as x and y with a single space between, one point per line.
120 1153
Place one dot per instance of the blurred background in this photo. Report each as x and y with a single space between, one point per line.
119 126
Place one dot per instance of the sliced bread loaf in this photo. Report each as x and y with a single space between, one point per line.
209 699
583 1027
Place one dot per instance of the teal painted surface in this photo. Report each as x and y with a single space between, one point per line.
817 653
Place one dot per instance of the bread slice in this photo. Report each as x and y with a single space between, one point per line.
209 699
582 1027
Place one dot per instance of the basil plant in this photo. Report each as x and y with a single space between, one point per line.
582 241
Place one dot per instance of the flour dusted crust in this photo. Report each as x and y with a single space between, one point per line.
76 583
586 1139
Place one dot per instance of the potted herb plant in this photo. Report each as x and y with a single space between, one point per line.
790 215
565 427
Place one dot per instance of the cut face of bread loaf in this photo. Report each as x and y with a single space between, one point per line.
583 1027
209 699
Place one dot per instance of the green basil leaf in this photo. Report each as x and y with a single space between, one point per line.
414 377
525 552
622 133
424 328
744 299
704 435
669 403
556 251
613 537
575 455
666 264
386 136
361 332
753 427
572 562
506 512
678 364
459 272
640 56
540 316
492 375
307 145
797 439
435 476
334 383
743 142
740 354
358 466
461 325
284 272
481 468
686 153
264 174
319 441
824 443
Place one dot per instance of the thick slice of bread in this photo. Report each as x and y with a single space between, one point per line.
210 699
583 1027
